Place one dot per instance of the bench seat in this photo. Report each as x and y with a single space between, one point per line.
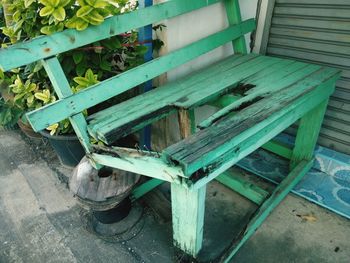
250 76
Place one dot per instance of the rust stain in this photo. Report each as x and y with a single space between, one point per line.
47 49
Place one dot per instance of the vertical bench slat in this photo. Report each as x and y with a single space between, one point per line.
59 110
234 17
62 89
47 46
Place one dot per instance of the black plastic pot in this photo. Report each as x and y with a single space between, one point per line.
115 214
67 148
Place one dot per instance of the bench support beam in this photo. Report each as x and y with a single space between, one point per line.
243 187
266 208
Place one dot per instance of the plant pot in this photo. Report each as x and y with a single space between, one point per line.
67 148
27 130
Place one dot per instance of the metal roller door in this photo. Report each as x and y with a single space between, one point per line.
318 31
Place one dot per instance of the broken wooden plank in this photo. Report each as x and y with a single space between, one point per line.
139 162
200 149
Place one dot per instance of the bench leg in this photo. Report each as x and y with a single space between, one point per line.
307 135
188 218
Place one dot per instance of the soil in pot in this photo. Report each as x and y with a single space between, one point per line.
67 148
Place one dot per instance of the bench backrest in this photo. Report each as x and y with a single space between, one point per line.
71 105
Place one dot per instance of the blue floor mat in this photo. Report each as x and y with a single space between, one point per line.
330 191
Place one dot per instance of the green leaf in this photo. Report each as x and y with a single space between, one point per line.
90 75
48 30
46 11
80 69
83 11
42 96
105 65
17 15
100 4
78 57
2 75
81 81
59 14
81 25
55 3
90 2
47 3
28 3
96 17
63 3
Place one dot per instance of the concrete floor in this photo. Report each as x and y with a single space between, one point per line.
41 222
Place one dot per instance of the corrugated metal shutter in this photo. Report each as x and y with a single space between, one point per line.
318 31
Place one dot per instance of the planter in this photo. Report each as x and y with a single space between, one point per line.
27 130
67 148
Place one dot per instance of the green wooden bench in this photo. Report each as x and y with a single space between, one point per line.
261 96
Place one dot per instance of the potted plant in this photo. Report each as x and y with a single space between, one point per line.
30 87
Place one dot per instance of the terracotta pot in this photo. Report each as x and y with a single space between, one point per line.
27 130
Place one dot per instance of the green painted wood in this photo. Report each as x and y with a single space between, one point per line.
243 187
140 110
188 218
265 210
62 88
227 81
47 46
278 148
265 86
189 97
307 135
262 136
234 17
136 161
145 188
173 88
224 100
91 96
205 146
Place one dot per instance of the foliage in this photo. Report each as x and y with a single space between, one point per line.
85 66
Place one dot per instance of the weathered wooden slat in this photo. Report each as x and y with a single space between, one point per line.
192 96
234 17
47 46
201 148
148 164
227 82
259 138
178 85
114 86
137 109
264 211
266 86
62 89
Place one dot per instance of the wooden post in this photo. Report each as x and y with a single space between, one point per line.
234 17
307 135
187 205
